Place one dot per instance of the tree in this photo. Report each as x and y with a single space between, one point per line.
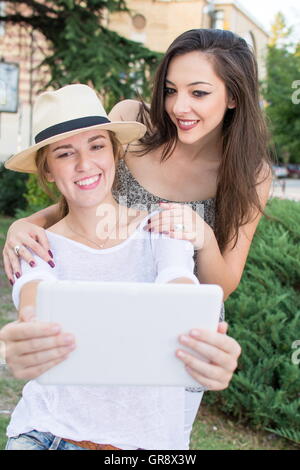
85 51
281 91
280 32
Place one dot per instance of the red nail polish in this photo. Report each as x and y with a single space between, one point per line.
149 221
50 253
11 282
51 264
18 275
32 264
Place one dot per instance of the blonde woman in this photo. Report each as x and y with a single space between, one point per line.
76 148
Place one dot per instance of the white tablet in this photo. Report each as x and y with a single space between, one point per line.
126 333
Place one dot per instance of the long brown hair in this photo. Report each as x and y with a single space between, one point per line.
42 170
244 133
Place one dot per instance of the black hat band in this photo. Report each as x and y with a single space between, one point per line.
71 125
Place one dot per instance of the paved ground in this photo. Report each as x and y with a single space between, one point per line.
286 188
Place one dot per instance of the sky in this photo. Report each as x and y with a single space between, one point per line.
265 10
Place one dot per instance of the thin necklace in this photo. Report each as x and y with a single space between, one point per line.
99 245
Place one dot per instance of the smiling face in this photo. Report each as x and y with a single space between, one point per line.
195 97
83 168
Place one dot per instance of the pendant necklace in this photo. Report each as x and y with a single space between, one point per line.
99 245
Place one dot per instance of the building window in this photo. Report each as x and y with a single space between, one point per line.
2 23
217 19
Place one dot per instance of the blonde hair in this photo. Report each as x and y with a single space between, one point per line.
42 170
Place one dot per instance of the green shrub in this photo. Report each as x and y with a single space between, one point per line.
264 317
12 188
36 198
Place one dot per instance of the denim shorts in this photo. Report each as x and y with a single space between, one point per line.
36 440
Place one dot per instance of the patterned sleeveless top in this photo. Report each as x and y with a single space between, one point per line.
128 191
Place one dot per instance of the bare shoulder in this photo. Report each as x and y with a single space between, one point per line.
265 173
126 110
264 181
59 228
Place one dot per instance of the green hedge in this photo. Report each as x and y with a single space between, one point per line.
36 198
264 316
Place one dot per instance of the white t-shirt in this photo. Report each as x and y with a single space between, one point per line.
128 417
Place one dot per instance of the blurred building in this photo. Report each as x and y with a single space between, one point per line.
154 23
24 49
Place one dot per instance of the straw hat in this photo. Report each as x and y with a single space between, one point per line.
65 112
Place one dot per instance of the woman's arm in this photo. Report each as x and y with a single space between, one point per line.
226 269
213 267
32 347
28 299
28 233
45 217
181 280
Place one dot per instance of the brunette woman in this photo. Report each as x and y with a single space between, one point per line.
206 148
